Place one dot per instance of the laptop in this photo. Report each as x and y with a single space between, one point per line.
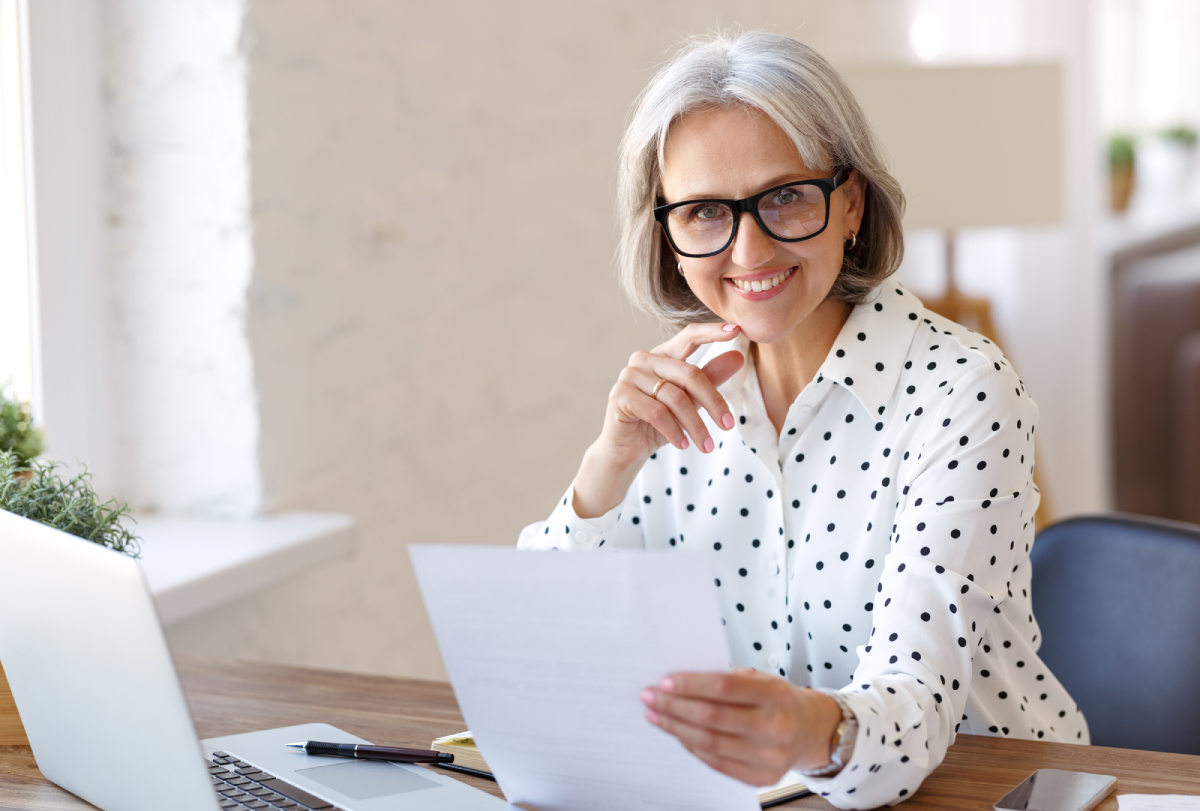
92 676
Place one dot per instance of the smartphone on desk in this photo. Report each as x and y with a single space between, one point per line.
1057 790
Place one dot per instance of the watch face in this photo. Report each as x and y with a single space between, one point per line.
842 728
847 731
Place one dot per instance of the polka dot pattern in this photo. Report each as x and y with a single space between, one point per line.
878 545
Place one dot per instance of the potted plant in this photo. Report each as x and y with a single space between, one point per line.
17 432
1181 134
1164 162
1121 154
36 491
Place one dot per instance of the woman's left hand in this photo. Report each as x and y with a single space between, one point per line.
749 725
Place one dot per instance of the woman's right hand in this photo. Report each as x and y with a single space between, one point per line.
636 423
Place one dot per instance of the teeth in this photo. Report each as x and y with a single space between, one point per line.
764 284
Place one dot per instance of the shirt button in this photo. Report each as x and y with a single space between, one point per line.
581 536
773 662
804 410
772 568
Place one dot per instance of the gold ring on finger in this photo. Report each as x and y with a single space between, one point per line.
657 386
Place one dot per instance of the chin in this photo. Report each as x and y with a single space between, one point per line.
765 332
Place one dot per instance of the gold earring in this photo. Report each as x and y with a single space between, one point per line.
851 242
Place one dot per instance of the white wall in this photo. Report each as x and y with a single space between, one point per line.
436 374
185 416
142 180
440 381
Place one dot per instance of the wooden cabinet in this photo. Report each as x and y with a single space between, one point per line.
1156 378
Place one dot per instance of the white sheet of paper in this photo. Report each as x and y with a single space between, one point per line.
548 653
1158 802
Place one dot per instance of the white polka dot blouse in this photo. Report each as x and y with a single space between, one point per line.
878 546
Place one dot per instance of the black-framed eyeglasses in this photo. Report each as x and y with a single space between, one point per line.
790 212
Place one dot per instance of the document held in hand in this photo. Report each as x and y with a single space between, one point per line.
548 654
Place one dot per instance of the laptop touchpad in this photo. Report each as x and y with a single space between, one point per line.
368 779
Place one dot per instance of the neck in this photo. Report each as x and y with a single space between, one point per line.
787 366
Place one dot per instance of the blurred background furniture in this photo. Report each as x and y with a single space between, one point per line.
1156 375
946 129
1117 598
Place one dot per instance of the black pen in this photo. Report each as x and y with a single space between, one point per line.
367 752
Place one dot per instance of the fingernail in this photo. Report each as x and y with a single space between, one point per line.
727 420
667 684
652 717
729 327
683 446
708 445
648 697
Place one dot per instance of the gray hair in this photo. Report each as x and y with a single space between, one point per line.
806 98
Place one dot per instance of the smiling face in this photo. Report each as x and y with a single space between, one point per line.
765 286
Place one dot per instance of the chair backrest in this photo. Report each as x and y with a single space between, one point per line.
1117 598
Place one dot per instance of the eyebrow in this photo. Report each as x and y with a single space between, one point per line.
778 180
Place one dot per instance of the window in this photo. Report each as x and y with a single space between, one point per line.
18 286
1149 64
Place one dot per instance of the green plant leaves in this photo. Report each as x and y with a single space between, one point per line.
34 490
17 433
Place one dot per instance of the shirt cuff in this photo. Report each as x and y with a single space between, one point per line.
564 530
878 773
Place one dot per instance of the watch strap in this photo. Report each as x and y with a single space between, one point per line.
846 733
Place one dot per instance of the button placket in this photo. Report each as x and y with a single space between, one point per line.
801 415
758 434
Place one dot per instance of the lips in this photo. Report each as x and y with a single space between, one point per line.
764 287
757 286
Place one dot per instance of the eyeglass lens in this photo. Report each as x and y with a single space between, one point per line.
788 213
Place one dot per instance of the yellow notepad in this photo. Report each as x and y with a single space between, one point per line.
467 756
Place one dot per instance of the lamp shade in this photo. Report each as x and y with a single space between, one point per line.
970 146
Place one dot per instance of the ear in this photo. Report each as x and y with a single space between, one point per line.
854 194
666 251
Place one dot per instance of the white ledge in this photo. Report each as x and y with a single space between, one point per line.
194 565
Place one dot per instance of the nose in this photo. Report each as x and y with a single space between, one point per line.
752 247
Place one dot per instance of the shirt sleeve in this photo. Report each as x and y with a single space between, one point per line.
619 528
968 493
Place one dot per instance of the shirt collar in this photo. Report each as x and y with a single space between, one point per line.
868 355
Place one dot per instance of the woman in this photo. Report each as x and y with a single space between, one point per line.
857 469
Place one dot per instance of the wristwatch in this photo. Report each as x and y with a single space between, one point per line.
847 731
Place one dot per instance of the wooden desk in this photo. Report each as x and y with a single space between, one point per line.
231 697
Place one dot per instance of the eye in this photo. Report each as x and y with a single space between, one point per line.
785 197
707 212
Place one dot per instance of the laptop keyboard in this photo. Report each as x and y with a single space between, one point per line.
240 786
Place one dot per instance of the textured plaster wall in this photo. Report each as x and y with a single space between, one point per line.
433 319
183 404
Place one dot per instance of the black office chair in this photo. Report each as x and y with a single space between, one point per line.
1118 601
